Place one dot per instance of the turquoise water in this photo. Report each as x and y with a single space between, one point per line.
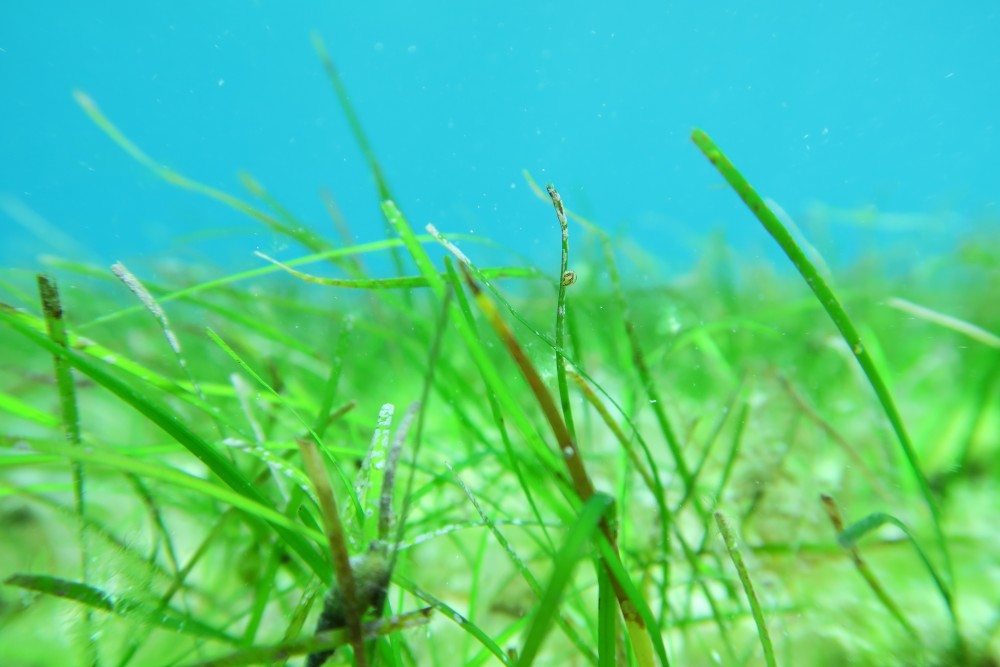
885 107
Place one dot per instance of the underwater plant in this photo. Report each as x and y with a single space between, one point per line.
598 473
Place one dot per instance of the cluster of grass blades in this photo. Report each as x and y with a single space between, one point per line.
589 473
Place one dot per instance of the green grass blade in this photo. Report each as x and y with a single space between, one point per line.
173 177
26 411
837 314
620 577
337 543
451 614
607 619
94 598
532 582
638 357
261 509
581 534
976 333
741 569
217 339
179 431
289 225
412 244
267 585
331 639
353 120
494 404
567 278
76 591
216 283
849 537
402 282
52 308
866 572
94 351
323 412
650 475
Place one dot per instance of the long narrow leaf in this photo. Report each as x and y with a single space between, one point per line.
580 536
837 314
180 432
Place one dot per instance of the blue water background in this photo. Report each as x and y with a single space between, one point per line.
872 124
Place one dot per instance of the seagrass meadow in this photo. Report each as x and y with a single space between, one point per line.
446 461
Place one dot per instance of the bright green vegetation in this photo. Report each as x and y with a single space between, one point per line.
737 467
